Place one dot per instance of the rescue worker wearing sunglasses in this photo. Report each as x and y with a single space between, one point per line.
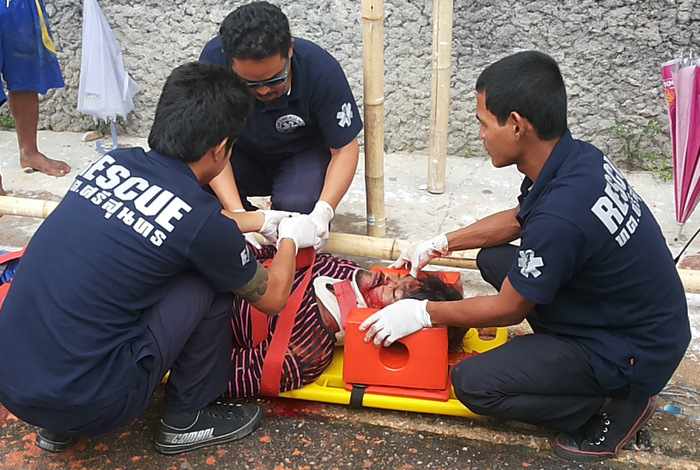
299 145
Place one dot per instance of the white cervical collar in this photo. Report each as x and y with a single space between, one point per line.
329 300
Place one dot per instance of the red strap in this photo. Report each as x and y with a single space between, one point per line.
272 366
260 325
346 299
4 289
7 257
260 321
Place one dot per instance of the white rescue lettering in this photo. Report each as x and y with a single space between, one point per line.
152 200
115 174
606 211
99 165
612 208
124 190
173 211
152 206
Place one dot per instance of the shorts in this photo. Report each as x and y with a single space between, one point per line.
28 59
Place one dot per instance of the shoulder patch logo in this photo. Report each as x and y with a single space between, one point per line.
345 115
528 263
245 256
288 123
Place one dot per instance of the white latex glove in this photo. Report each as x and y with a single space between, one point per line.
322 215
272 221
252 240
418 255
300 229
396 321
250 237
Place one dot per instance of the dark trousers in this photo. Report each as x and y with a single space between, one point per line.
187 332
538 379
294 182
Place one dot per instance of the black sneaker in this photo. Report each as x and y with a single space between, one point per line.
53 441
217 423
605 433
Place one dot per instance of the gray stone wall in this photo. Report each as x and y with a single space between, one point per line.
609 52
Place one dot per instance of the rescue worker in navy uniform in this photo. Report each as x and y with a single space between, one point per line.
592 276
133 275
299 145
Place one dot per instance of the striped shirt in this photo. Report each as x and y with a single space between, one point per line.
311 344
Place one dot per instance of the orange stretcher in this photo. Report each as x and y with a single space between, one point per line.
410 375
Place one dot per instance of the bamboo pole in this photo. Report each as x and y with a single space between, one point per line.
339 243
440 100
389 249
373 79
26 207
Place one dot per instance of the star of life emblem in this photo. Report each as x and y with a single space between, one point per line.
528 263
345 115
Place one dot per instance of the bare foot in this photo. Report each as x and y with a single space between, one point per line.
40 162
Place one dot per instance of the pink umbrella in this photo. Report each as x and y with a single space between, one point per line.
681 81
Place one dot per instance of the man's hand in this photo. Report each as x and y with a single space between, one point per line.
271 222
418 255
396 321
322 215
300 229
253 240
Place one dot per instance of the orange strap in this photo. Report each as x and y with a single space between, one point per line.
274 358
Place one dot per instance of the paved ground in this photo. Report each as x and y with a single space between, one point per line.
300 435
306 435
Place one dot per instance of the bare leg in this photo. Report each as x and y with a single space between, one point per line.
25 109
2 191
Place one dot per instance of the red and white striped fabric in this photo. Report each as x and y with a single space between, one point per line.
310 347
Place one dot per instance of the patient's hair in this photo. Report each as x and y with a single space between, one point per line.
435 289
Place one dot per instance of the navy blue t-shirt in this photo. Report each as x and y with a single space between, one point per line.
130 222
320 111
594 261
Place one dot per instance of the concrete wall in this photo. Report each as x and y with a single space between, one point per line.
609 51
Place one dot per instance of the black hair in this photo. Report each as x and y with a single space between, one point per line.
199 107
255 31
435 289
530 84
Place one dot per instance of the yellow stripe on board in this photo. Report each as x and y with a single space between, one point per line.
45 36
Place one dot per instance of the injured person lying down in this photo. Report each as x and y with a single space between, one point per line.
317 325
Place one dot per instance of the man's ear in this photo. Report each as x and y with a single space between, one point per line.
219 152
520 124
